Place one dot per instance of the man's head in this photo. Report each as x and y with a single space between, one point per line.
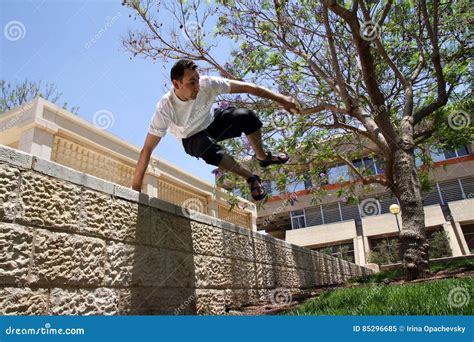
185 78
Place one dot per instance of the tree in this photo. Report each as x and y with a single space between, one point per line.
380 77
14 96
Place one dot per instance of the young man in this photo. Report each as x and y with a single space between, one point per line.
186 112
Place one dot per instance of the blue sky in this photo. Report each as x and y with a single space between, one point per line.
57 47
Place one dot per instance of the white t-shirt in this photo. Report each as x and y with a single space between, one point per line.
185 118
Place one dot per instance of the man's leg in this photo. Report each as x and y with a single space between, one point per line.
255 140
228 163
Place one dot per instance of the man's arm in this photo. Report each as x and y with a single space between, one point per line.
287 102
151 142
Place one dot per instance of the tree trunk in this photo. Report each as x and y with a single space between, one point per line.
414 245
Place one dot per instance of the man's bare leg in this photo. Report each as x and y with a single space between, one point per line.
255 140
228 163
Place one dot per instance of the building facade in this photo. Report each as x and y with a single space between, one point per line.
48 131
365 231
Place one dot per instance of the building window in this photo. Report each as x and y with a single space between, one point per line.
344 251
338 173
368 164
385 250
440 154
298 219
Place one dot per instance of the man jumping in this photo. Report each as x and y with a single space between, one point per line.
186 112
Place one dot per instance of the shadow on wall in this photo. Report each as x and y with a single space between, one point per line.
162 278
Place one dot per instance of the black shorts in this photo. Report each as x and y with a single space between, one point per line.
228 123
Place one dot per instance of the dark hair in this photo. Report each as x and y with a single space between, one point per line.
177 71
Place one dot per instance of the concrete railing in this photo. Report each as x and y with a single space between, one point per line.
73 244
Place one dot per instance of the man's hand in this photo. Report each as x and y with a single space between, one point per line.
137 187
290 104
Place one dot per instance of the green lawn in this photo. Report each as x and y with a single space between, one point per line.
424 298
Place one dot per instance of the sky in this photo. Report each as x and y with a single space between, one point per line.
76 44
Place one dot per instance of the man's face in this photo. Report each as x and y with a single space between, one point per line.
188 87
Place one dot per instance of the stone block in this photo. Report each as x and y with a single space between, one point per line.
10 205
15 253
207 240
94 301
134 265
49 202
67 259
23 301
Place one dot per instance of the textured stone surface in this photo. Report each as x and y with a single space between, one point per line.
207 240
23 301
157 301
169 231
100 253
111 218
10 206
128 265
15 252
210 302
49 202
237 246
98 301
61 258
180 269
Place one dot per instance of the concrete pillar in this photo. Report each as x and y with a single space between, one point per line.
462 241
453 239
366 248
359 252
37 142
150 185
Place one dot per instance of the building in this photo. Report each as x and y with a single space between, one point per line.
48 131
360 232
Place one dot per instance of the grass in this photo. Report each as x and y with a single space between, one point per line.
397 273
424 298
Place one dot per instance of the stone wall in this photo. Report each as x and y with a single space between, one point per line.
72 244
